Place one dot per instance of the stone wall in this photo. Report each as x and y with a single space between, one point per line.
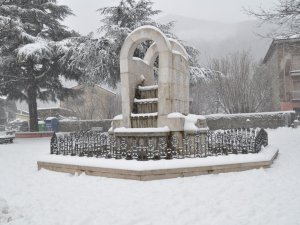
252 120
71 126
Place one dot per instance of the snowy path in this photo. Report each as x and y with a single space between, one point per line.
270 196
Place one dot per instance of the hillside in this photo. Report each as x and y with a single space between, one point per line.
216 39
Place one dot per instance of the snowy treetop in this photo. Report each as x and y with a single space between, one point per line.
3 97
37 51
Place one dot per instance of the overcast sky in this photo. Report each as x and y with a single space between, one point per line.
230 11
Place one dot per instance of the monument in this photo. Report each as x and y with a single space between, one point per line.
159 106
156 125
162 107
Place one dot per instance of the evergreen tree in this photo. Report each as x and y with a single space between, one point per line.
119 21
122 19
100 57
32 46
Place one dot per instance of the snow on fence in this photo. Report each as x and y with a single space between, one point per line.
213 143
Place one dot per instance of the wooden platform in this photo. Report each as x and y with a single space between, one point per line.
81 165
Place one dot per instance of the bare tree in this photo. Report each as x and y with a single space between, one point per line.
202 91
235 84
285 14
92 104
245 87
113 109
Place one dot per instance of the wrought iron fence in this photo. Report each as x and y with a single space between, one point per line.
198 145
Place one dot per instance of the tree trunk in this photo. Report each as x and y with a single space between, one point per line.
32 106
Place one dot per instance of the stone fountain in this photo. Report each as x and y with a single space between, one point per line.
150 108
155 124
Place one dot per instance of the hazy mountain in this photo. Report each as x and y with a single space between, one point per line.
216 39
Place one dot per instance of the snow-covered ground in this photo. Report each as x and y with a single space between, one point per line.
264 196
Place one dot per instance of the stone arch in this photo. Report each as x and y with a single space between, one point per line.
152 51
172 80
176 46
151 54
138 36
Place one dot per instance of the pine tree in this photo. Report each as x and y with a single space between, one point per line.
119 21
100 57
122 19
32 44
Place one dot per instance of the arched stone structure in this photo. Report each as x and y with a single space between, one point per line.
173 79
152 51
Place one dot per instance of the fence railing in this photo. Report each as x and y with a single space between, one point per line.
212 143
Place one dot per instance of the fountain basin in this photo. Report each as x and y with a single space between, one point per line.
155 170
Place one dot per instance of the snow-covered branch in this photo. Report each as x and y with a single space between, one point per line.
12 81
285 14
241 86
2 2
36 51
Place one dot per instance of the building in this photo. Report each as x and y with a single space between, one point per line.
92 103
45 109
22 115
284 56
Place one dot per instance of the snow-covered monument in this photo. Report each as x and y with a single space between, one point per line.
172 92
161 106
155 124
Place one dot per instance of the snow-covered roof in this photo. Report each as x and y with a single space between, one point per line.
280 40
3 97
49 108
103 86
51 118
287 37
106 88
22 112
